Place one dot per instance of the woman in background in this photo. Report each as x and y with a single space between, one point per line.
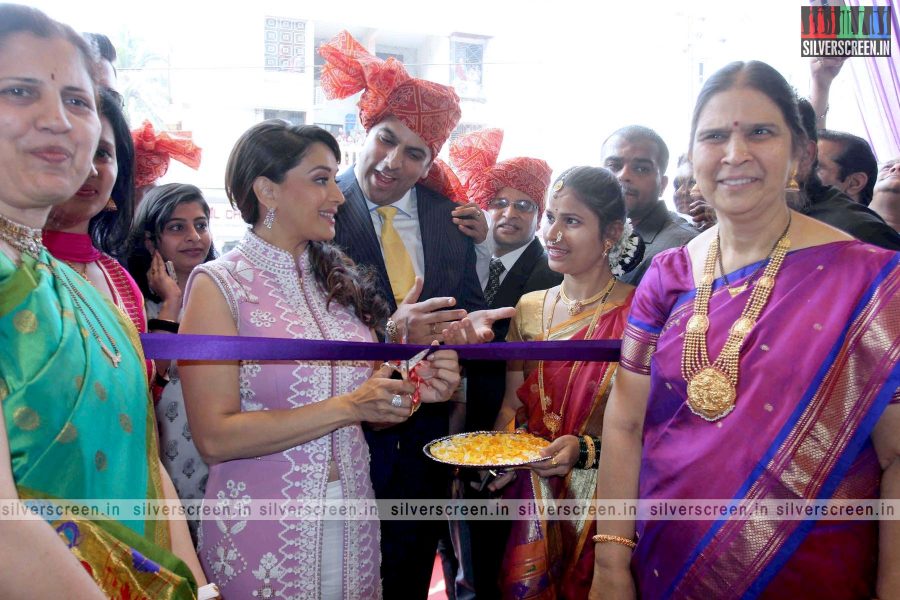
170 237
89 231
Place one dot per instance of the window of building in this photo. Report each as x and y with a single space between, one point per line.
285 45
464 128
466 63
294 117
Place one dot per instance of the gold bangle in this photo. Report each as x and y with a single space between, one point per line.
603 538
591 453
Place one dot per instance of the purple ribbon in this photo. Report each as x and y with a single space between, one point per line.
224 347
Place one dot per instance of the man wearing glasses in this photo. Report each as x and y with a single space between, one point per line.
512 192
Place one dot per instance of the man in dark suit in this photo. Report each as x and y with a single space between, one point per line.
397 220
638 157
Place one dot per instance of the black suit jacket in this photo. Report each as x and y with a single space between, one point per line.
399 468
832 206
486 380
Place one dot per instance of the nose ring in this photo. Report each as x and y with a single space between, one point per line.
558 237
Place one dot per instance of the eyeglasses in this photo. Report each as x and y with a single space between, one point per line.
523 206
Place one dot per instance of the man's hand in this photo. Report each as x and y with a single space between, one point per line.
472 221
424 321
477 328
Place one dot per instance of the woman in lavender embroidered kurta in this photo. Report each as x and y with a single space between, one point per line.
270 296
280 433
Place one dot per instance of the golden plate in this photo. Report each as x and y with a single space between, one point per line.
487 449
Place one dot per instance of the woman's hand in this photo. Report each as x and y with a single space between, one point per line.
161 283
612 583
472 221
564 453
440 376
374 401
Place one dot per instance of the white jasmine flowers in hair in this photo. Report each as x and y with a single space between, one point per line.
623 252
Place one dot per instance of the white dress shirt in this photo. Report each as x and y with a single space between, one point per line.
406 222
511 258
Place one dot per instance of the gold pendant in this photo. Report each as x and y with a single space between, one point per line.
734 291
711 395
574 308
552 422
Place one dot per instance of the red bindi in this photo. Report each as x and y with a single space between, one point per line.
735 125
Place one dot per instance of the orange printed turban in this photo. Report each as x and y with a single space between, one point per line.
152 152
429 109
475 158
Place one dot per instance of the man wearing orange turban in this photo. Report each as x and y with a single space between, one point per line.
397 219
512 191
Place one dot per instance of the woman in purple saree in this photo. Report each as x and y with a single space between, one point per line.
760 363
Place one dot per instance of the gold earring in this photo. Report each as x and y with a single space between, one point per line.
110 206
792 185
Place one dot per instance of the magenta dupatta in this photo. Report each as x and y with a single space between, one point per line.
816 372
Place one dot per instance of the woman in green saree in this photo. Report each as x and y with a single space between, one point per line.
76 423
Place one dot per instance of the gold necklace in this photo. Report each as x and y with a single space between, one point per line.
553 420
80 268
712 388
576 306
27 240
734 291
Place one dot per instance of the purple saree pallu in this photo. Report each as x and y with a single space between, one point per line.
816 372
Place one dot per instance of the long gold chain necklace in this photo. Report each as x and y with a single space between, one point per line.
712 388
553 420
576 306
27 240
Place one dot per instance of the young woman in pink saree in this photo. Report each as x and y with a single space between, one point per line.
586 236
759 363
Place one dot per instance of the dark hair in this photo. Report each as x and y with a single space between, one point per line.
639 132
856 156
761 77
154 212
600 191
104 46
15 18
812 187
270 149
109 229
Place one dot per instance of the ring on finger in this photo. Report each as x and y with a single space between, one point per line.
397 401
433 328
553 461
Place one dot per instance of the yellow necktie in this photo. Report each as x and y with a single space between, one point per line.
396 258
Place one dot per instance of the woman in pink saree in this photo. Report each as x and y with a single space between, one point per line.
759 363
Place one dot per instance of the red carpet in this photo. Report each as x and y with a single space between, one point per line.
438 590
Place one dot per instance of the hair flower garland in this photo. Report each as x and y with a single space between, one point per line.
624 253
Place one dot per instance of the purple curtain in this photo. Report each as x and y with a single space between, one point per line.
877 83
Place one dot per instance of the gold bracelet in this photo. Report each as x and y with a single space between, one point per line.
603 538
591 453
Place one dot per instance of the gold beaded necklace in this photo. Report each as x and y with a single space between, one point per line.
576 306
27 240
553 420
712 388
